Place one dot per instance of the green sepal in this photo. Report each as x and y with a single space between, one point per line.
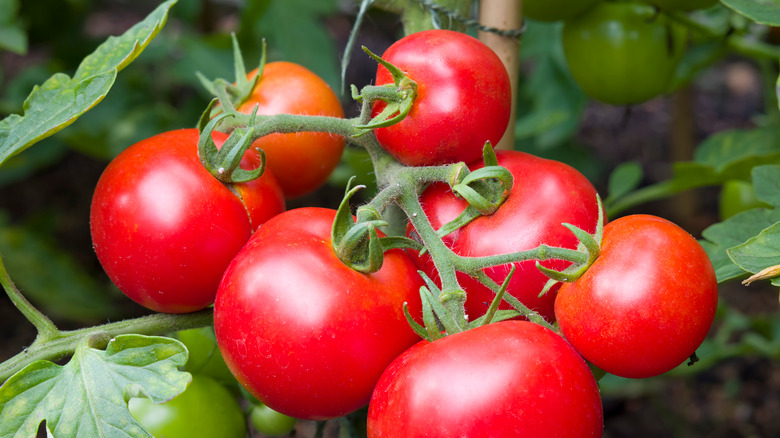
225 163
400 242
357 245
231 95
487 318
447 320
416 327
486 188
398 97
429 318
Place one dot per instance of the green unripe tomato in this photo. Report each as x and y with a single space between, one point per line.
555 10
205 357
623 53
269 422
682 5
206 409
737 196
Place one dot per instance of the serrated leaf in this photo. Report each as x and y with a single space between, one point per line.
623 179
60 100
88 396
766 183
760 11
733 154
758 252
732 232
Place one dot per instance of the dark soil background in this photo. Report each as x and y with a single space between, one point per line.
737 397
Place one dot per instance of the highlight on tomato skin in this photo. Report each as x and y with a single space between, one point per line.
646 303
164 229
303 332
505 379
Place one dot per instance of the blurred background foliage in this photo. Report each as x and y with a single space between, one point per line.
721 100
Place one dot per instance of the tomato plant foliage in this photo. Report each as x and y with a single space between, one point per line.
318 312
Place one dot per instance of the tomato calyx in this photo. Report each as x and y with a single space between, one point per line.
224 162
397 98
589 244
356 241
231 95
485 189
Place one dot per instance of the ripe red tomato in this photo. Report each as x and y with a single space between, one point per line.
507 379
645 304
623 53
164 229
303 332
546 193
463 98
300 161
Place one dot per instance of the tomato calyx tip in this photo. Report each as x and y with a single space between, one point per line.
224 162
589 244
397 97
356 242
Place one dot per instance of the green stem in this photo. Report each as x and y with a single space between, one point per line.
65 343
529 314
473 265
46 329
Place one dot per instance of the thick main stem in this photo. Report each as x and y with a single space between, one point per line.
66 342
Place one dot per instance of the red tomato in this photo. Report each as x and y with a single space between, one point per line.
546 193
164 229
463 98
507 379
300 161
304 333
645 304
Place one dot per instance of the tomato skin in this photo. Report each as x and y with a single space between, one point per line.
463 98
204 356
645 304
545 194
623 53
206 409
301 161
507 379
164 229
300 330
555 10
269 422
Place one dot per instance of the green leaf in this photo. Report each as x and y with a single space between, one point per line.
88 396
733 154
12 34
60 100
732 232
766 183
555 103
52 279
625 178
759 252
760 11
310 44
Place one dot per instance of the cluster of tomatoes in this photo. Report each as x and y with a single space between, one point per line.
312 338
619 52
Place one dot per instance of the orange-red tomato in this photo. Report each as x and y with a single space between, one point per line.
300 161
